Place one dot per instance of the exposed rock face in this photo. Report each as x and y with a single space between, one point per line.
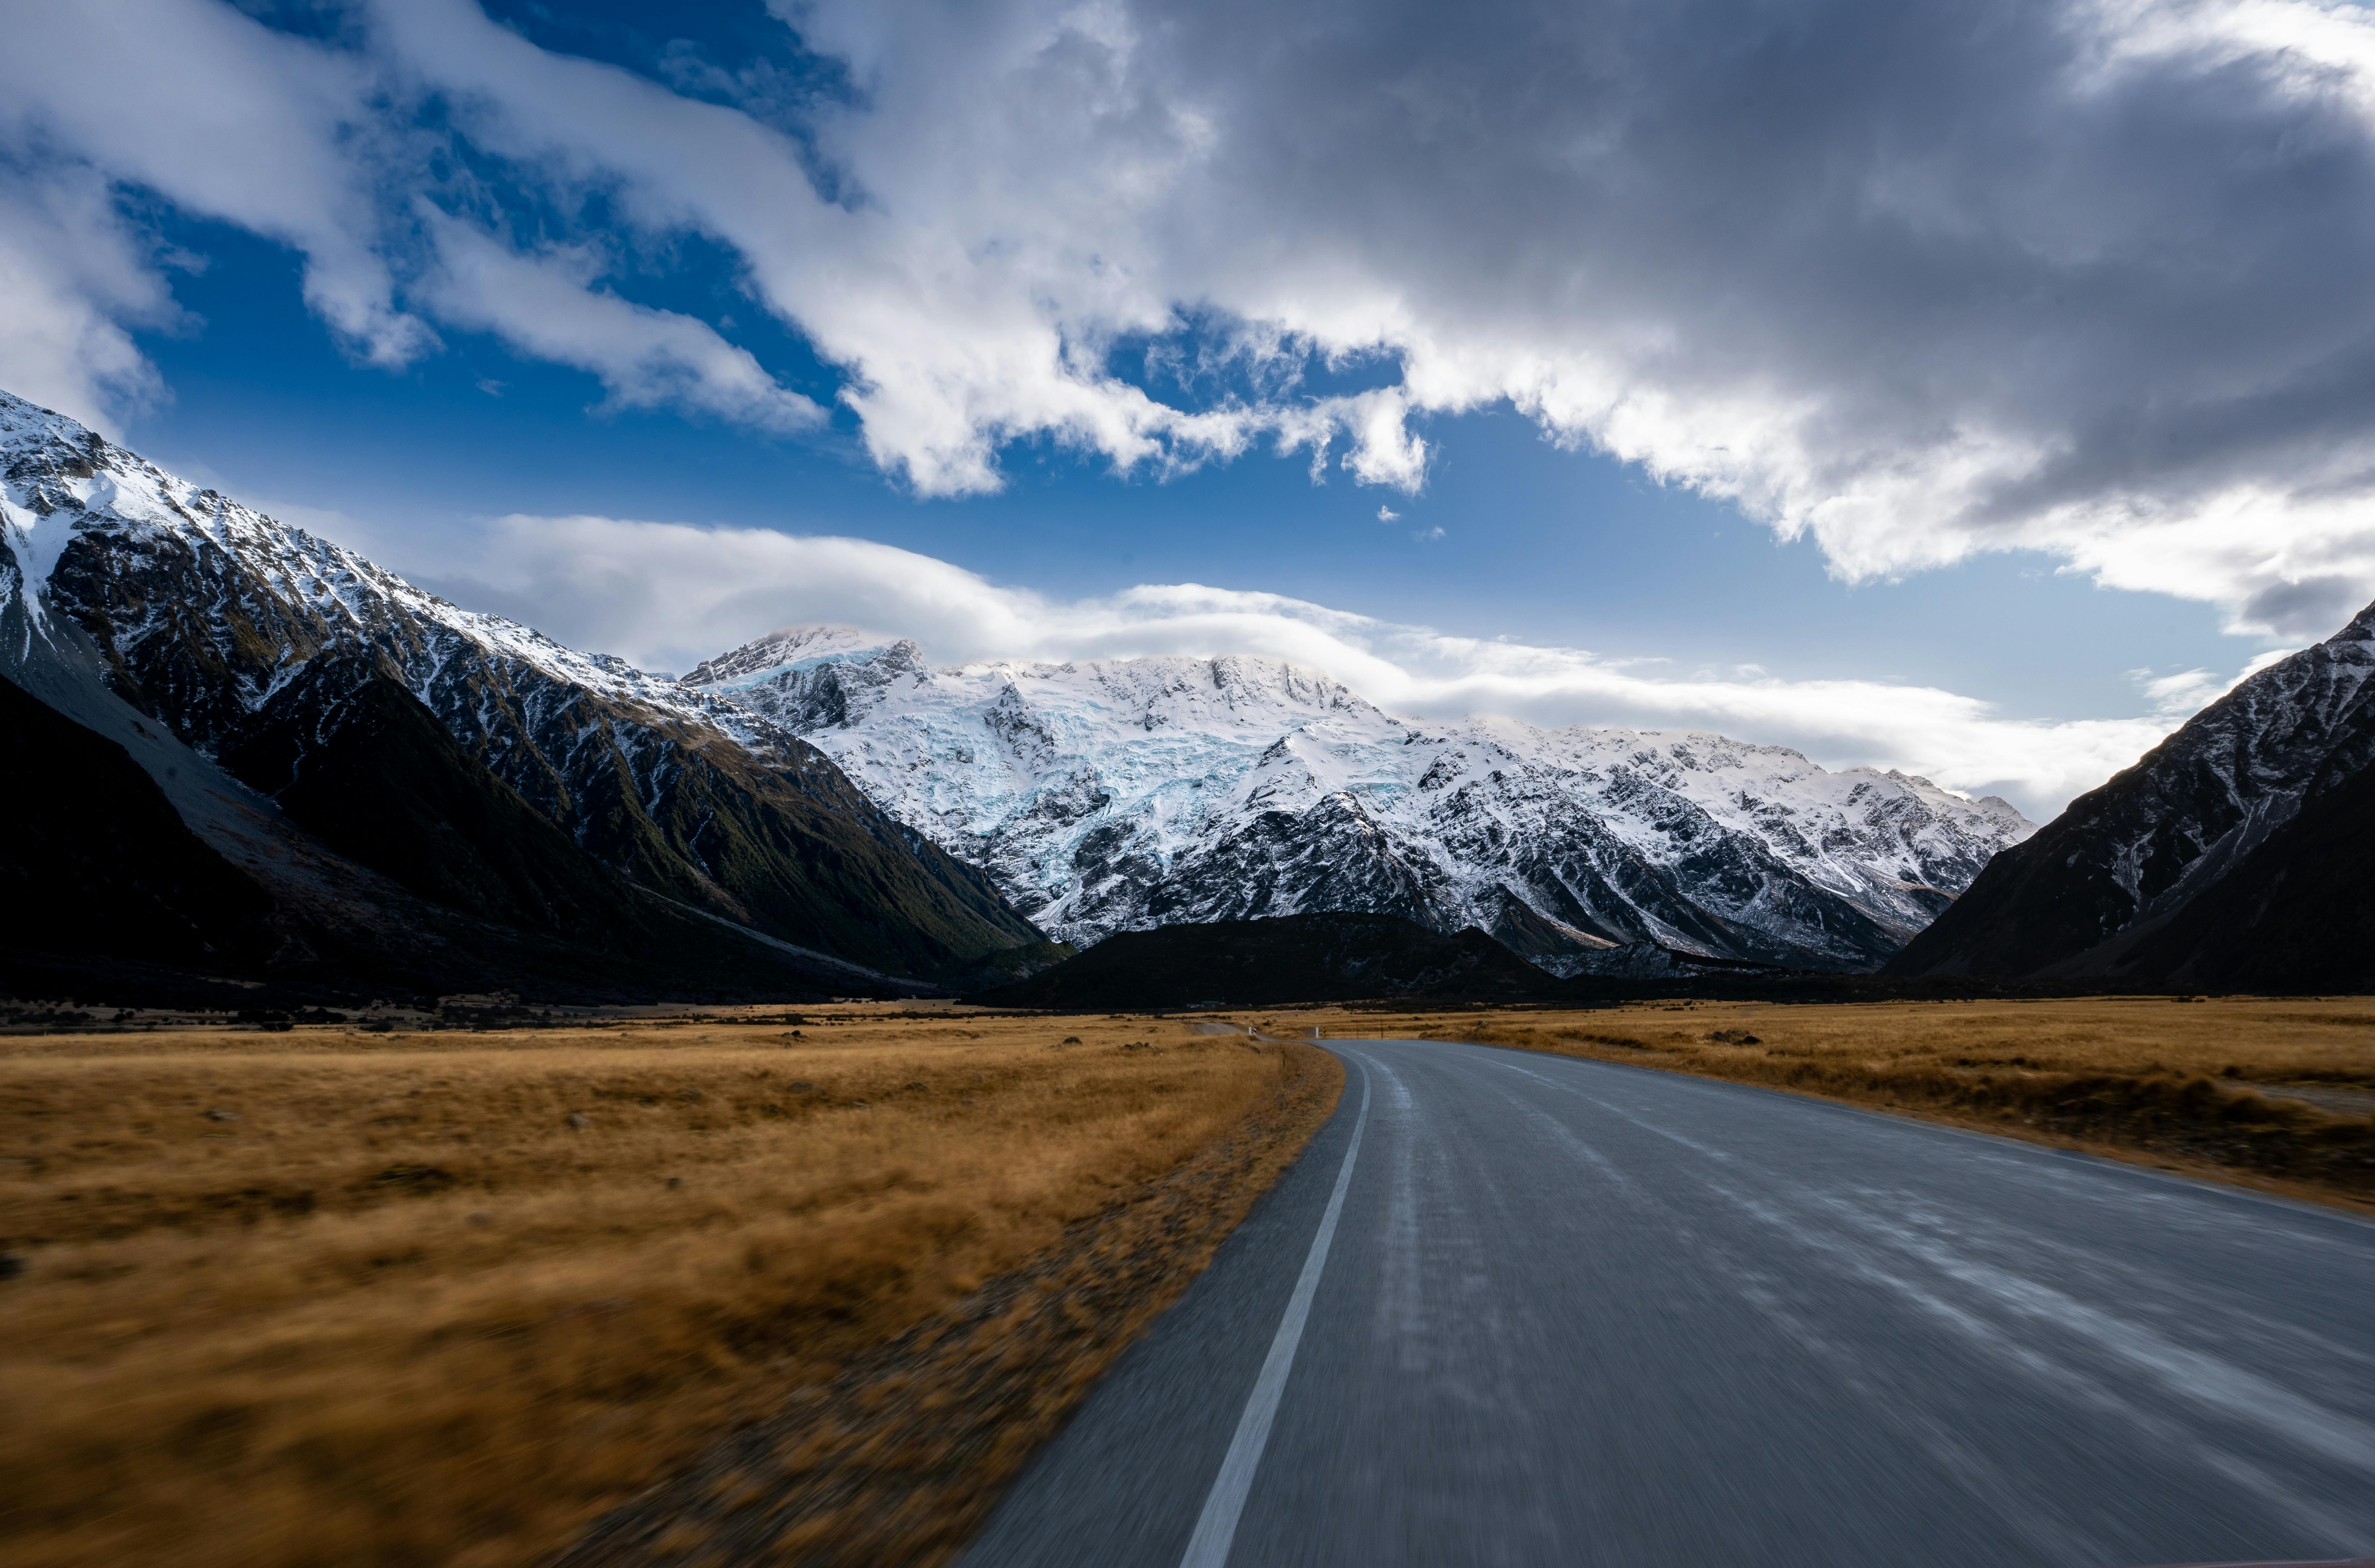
202 614
2213 860
1130 794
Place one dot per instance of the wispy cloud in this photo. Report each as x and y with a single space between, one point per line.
550 306
667 595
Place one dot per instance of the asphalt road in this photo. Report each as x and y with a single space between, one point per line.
1569 1313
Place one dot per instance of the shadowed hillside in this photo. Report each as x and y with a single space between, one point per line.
97 861
396 866
2232 855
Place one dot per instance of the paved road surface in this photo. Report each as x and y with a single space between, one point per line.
1575 1314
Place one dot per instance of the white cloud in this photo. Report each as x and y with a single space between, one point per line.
1388 514
2181 693
668 595
548 307
311 145
2094 278
74 274
227 120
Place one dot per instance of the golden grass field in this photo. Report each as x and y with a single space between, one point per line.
803 1293
2277 1093
332 1297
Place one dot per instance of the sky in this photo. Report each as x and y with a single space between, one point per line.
1975 391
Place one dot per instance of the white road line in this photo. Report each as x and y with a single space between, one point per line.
1216 1526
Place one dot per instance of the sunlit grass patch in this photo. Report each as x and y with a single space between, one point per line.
2279 1091
329 1297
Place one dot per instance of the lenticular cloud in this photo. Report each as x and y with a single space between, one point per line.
668 595
2094 277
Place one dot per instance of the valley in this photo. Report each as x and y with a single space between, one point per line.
824 783
467 1099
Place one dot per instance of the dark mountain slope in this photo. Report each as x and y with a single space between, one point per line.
2298 914
95 860
2098 890
2034 905
1294 958
330 928
356 760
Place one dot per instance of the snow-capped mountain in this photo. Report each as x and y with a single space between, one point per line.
203 614
2253 804
1123 794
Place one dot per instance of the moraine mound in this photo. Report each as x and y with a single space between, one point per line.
1295 958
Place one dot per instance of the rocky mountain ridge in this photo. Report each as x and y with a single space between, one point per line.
1123 794
2199 865
204 616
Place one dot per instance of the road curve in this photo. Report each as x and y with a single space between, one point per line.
1569 1313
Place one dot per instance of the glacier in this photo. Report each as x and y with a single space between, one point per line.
1119 794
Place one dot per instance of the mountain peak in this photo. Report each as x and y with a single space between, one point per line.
2361 628
2133 879
794 649
1121 793
189 610
23 423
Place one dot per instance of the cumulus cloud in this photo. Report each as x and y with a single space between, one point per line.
2094 277
2087 277
667 595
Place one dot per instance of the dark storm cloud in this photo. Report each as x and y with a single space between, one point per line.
1920 276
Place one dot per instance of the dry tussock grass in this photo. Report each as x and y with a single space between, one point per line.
324 1297
2276 1092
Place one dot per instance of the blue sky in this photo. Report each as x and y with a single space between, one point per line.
1539 544
1960 468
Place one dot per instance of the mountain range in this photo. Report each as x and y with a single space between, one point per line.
425 797
2238 855
1123 795
247 755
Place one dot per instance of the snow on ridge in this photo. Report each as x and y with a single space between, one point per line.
58 478
789 648
1114 793
1108 794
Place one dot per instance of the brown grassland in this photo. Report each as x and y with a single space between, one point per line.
758 1292
329 1297
2277 1093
